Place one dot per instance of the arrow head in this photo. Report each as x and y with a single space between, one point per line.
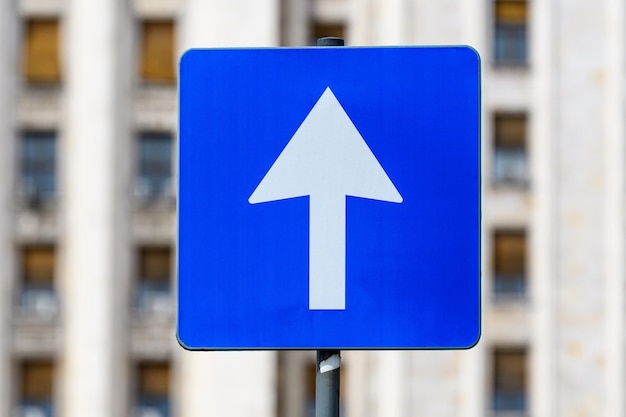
326 156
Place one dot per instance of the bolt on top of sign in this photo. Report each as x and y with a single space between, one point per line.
329 198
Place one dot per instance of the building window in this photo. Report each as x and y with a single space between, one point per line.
510 263
322 29
511 32
37 389
37 292
153 390
155 166
158 63
509 380
38 166
40 55
154 286
510 159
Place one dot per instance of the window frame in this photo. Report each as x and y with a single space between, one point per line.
507 400
510 154
44 82
513 285
32 186
153 297
47 405
163 406
142 66
31 298
509 35
148 186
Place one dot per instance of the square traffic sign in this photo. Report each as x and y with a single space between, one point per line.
329 198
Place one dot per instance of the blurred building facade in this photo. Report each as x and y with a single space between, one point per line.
88 194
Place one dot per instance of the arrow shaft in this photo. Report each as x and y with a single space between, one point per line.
327 252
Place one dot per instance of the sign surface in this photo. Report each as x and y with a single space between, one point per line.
329 198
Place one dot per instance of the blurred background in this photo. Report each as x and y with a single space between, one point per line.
88 174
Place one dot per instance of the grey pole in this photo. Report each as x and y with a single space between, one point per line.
328 364
327 383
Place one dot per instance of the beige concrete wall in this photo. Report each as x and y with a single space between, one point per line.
89 360
220 23
614 221
580 279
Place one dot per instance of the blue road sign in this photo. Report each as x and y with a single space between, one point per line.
329 198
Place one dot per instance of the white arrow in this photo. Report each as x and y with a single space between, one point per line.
326 159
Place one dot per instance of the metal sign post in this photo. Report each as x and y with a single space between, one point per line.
328 363
327 383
